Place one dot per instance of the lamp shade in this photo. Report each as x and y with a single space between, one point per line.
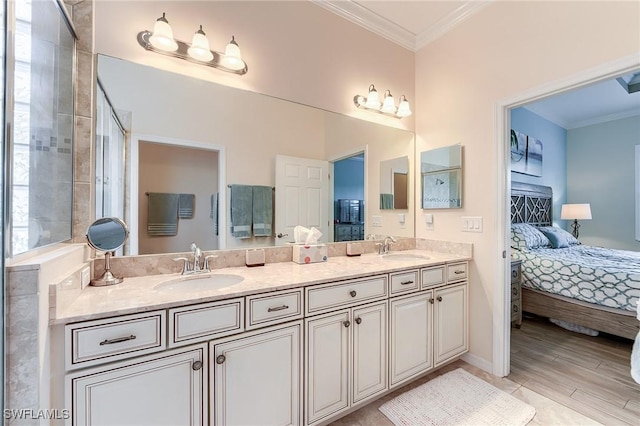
575 211
403 109
232 58
162 37
388 105
373 99
199 49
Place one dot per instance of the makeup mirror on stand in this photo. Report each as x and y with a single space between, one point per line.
107 234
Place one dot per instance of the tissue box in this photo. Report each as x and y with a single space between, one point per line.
309 253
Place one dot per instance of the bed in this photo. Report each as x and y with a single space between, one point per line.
589 286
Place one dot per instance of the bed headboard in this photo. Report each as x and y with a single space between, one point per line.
531 204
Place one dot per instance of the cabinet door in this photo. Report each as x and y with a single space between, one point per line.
369 351
411 333
451 337
258 378
327 365
168 389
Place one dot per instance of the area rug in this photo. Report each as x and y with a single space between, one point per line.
457 398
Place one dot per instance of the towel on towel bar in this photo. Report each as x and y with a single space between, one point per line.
162 214
185 206
262 211
241 210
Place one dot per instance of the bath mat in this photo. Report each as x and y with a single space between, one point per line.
457 398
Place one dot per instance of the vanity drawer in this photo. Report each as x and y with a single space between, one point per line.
404 282
332 296
95 342
457 272
197 323
273 308
432 276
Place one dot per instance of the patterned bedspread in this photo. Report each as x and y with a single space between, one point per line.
592 274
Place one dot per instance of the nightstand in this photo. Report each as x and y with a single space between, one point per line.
516 293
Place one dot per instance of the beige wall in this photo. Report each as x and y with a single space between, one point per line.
507 49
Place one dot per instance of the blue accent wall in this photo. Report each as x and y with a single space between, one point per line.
554 156
348 175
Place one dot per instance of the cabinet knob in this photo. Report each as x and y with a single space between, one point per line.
353 293
358 320
220 359
431 300
439 298
196 366
514 274
346 323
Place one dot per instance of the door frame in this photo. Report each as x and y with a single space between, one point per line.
364 150
134 169
501 293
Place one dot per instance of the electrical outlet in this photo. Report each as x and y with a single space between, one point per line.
428 219
376 221
401 218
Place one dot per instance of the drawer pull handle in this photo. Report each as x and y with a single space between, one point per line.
458 272
346 323
431 300
278 308
220 359
196 366
514 291
439 298
117 340
514 274
406 282
358 320
353 293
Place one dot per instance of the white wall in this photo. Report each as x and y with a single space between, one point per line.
506 49
601 172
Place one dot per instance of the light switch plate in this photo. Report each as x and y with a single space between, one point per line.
401 217
471 223
376 221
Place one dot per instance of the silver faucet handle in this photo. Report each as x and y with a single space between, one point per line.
379 245
185 265
206 262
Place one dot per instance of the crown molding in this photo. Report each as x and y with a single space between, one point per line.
603 119
371 21
377 24
449 21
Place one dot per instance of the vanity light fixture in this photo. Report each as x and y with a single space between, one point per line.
388 106
161 41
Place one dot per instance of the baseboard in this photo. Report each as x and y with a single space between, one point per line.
476 361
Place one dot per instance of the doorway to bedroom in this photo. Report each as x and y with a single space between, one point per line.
574 157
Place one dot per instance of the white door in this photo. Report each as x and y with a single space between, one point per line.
369 351
302 196
411 333
164 389
327 365
258 378
451 337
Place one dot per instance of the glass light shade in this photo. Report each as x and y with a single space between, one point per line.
162 36
575 211
388 105
199 49
403 109
373 100
232 58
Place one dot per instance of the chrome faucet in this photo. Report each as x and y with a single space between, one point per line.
386 246
188 269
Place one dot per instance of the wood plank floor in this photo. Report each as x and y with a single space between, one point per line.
570 378
590 375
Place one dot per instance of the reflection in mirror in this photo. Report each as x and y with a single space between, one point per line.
441 171
248 130
394 184
107 234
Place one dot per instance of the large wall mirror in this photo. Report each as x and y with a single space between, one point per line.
441 177
194 137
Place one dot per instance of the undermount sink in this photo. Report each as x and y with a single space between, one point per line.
404 256
199 283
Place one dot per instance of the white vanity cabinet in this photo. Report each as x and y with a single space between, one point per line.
169 388
429 328
257 377
346 359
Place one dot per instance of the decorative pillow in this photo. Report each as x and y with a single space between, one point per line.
557 239
562 234
525 236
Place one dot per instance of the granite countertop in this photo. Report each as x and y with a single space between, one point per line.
135 295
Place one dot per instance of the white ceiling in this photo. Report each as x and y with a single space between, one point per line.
414 24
